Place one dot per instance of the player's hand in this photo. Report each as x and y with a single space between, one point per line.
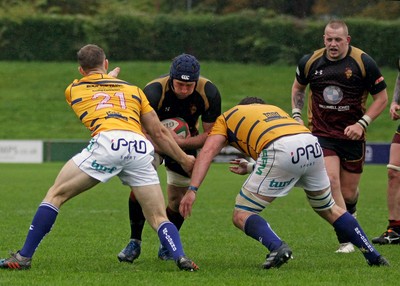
182 142
240 166
394 108
188 165
115 72
185 207
299 120
354 132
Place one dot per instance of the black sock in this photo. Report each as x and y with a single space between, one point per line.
394 225
351 207
136 218
175 218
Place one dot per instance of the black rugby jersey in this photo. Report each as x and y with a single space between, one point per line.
338 89
205 101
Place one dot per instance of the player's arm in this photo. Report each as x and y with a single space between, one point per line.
299 86
195 142
161 136
298 98
356 131
395 105
211 148
156 148
378 105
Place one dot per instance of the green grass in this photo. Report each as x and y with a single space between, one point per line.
32 104
92 228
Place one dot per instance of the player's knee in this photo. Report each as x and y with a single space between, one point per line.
238 218
335 182
321 202
393 172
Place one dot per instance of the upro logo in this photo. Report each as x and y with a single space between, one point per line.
185 77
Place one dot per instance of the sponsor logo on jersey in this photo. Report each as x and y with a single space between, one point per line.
272 116
113 114
333 94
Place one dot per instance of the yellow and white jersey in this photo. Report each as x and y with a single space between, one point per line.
106 103
250 128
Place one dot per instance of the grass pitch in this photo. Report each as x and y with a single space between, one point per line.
92 228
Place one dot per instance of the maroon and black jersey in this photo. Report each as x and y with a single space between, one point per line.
338 89
205 101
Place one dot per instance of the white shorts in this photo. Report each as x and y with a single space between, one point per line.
290 161
173 178
125 154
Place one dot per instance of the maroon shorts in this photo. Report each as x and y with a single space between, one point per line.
351 153
396 137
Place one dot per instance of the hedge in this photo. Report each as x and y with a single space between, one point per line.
231 38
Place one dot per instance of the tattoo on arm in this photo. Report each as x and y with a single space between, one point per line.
396 93
298 99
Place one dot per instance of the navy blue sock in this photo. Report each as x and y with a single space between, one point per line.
169 238
257 228
41 225
347 226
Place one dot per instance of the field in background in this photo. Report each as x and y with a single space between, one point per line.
32 103
92 228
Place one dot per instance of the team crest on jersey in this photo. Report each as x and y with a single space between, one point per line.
193 109
348 73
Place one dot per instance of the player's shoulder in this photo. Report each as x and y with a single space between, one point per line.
157 86
206 87
311 57
162 80
357 53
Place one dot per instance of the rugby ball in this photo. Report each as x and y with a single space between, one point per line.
178 125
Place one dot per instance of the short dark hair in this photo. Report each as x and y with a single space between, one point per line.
251 100
90 57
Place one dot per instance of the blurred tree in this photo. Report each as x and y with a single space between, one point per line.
87 7
364 8
384 10
379 9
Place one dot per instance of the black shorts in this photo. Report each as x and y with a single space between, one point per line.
351 153
396 137
175 166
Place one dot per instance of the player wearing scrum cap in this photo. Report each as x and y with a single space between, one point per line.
181 93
